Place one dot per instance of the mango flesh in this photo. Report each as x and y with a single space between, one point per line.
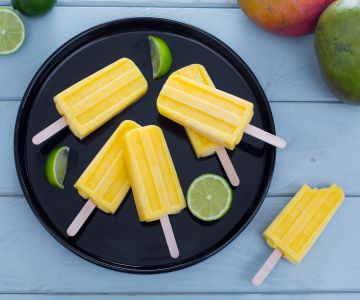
285 17
337 44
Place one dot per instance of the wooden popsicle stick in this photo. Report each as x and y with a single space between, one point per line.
169 236
81 218
265 136
49 131
228 166
267 267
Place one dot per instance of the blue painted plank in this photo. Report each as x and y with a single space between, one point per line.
325 296
286 67
144 3
33 262
322 147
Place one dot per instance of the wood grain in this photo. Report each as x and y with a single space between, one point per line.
322 296
286 67
145 3
32 261
322 147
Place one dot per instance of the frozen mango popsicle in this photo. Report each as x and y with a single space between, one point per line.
153 179
299 224
202 146
88 104
105 182
214 114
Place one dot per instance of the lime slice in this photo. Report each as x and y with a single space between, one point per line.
56 166
161 58
209 197
12 31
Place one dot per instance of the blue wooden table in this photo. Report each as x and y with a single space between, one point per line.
324 147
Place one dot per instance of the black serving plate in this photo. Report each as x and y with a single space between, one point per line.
120 241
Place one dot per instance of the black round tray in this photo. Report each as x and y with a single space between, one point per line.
120 241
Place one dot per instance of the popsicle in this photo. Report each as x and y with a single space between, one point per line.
90 103
299 224
214 114
105 181
202 146
153 179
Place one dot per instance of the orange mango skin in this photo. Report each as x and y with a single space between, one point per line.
285 17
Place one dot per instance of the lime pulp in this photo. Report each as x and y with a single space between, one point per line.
209 197
161 57
56 166
12 31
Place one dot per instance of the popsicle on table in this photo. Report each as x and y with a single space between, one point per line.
105 181
90 103
298 225
153 179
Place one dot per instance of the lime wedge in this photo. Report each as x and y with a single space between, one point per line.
161 58
56 166
209 197
12 31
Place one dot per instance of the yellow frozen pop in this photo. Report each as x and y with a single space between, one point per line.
153 179
105 182
202 146
214 114
299 224
90 103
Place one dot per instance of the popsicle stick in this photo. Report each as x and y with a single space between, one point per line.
49 131
81 217
265 136
267 267
228 166
169 236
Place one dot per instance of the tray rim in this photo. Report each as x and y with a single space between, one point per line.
46 68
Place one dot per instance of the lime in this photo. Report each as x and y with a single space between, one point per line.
56 166
33 7
161 58
209 197
12 31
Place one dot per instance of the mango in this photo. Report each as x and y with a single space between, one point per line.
337 45
285 17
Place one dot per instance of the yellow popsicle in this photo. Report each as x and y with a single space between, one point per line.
202 146
154 182
93 101
300 223
214 114
105 181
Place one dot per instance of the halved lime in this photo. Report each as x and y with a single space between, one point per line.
161 58
12 31
209 197
56 166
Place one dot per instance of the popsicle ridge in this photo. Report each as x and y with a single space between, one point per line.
215 114
93 101
105 181
155 185
302 220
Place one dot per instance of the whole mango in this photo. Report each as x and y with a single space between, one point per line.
285 17
337 45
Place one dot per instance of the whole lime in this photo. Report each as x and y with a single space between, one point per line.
33 7
337 44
